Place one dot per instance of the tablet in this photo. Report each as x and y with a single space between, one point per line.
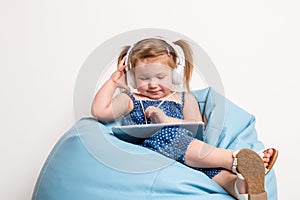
138 133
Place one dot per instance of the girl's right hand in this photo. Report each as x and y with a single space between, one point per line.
118 76
156 115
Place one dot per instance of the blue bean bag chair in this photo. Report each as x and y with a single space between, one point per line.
89 162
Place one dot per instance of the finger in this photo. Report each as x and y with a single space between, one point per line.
122 64
147 112
149 108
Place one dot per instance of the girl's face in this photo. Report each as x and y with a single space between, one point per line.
153 80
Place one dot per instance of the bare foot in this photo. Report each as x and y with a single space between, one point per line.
267 155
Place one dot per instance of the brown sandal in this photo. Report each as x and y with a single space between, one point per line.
248 165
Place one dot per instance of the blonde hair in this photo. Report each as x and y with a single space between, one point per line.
154 47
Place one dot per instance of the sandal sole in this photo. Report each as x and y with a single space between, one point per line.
251 166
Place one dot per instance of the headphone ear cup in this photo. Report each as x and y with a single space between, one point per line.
131 78
178 73
177 77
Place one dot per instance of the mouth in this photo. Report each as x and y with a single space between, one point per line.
154 92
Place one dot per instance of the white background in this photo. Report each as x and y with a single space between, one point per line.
43 44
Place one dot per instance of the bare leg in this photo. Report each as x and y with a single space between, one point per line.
227 181
200 154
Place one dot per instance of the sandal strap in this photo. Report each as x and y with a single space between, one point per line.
240 196
234 165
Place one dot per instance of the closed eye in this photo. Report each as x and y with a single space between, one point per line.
161 76
143 78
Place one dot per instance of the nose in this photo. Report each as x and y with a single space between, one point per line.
152 84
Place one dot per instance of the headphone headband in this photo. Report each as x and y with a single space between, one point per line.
178 51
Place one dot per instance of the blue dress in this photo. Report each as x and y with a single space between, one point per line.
171 141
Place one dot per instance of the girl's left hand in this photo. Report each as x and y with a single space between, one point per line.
157 115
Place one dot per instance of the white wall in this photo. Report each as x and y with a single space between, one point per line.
43 44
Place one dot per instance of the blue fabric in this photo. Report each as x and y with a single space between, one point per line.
83 164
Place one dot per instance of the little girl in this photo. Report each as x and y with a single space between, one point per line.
155 67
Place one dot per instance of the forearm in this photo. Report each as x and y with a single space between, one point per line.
157 115
176 120
102 102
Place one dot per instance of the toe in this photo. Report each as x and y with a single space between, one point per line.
270 152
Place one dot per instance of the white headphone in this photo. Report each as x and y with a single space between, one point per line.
178 72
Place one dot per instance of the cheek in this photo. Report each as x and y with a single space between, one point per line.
167 83
169 80
140 83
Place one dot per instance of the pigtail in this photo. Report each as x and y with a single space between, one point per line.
189 66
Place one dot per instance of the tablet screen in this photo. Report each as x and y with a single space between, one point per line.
138 133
